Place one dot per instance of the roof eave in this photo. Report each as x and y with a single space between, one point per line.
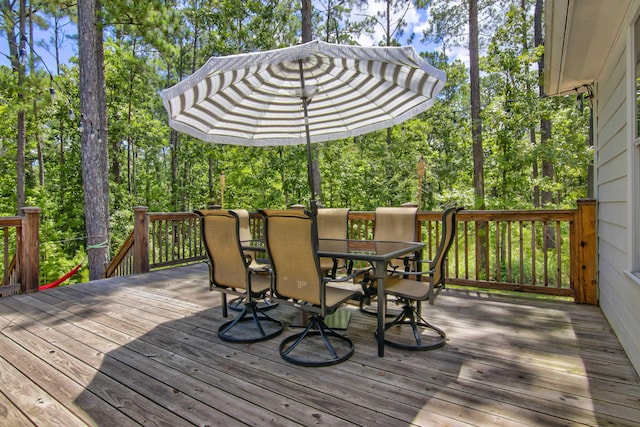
578 36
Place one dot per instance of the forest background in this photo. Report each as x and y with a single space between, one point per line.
534 150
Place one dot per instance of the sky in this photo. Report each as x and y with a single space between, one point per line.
68 46
416 23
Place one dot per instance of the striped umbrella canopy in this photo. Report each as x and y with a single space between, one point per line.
306 93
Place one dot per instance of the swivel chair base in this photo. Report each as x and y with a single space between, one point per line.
237 304
263 326
409 316
317 339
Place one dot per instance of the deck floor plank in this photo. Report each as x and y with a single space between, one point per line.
356 381
143 350
38 405
174 339
164 386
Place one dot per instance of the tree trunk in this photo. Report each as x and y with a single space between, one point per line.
61 118
545 123
94 135
22 127
545 126
537 40
211 195
175 186
307 12
36 119
476 136
476 121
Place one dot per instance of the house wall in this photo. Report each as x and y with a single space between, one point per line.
614 123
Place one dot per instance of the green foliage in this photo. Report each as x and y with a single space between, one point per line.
152 45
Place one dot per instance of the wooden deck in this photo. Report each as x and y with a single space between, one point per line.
143 350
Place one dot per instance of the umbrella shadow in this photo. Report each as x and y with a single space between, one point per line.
181 373
178 372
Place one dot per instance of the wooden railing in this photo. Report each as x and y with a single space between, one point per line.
542 251
158 240
20 255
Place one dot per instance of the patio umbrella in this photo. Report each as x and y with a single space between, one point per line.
303 94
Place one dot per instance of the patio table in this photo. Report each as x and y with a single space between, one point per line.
376 252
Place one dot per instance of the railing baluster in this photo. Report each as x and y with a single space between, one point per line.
5 254
477 255
545 252
456 254
521 247
498 253
533 253
509 264
558 255
466 250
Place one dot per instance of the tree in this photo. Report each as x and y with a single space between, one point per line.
18 53
447 24
476 120
334 21
453 24
93 108
545 123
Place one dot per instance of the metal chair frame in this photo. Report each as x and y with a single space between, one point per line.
230 273
411 293
237 304
394 224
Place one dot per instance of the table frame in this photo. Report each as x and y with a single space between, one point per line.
361 250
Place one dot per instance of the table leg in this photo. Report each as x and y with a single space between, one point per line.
381 274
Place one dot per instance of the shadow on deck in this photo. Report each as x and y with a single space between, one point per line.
143 350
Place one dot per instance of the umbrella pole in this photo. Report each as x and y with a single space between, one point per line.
305 102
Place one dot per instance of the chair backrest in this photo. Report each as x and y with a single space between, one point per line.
244 232
437 265
292 246
396 224
243 223
332 223
220 233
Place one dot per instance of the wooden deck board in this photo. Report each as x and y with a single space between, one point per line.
143 350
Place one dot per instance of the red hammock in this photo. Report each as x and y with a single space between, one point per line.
58 282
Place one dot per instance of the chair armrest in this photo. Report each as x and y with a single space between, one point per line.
351 274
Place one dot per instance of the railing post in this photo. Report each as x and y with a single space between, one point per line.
584 254
140 240
30 250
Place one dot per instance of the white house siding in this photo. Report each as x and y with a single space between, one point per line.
619 296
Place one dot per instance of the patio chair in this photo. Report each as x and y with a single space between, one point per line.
411 293
332 224
229 273
391 224
291 238
255 263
